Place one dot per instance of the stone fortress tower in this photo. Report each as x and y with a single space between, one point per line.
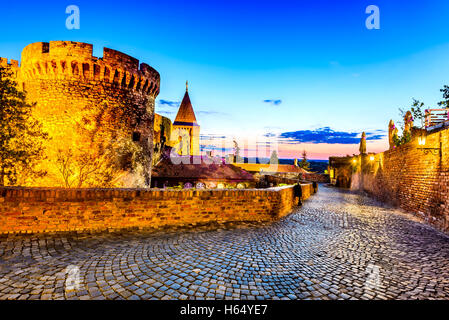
98 112
185 128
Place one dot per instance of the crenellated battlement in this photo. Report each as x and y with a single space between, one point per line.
90 107
67 60
13 65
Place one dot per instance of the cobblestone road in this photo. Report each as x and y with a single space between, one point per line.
337 246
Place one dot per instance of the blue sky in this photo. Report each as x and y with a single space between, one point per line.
305 70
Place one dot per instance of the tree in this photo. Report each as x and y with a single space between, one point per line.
418 113
21 136
274 158
417 109
237 157
304 163
99 155
444 103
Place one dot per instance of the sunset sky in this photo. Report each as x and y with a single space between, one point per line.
297 74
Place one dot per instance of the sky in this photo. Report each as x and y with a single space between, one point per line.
290 75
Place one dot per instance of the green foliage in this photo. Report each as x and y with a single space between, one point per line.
418 112
282 185
304 163
417 109
21 136
110 147
444 103
178 187
402 139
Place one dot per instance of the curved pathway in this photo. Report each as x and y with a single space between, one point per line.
339 245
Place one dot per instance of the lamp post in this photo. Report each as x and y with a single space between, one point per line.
372 160
422 143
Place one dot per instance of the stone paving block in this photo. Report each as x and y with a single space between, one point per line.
309 256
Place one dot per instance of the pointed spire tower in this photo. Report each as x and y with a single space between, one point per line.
187 127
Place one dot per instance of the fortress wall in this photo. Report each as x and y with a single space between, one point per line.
411 178
317 177
12 65
66 60
35 210
80 99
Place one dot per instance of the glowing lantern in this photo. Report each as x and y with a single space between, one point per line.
422 140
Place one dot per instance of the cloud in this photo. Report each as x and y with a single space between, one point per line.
165 112
211 147
335 64
270 135
272 128
327 135
173 104
273 101
212 137
212 113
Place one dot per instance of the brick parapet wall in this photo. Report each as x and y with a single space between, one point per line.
35 210
317 177
414 179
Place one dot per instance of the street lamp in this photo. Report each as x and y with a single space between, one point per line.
422 142
372 159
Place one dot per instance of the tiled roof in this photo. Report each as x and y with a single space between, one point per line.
167 169
185 115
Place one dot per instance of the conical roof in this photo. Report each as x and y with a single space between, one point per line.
186 115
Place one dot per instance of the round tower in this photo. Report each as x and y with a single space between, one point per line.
98 112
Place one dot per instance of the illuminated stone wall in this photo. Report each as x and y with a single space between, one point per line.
162 136
99 113
317 177
413 179
34 210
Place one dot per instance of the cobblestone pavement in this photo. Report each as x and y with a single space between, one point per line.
339 245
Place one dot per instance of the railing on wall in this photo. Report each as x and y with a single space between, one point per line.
436 118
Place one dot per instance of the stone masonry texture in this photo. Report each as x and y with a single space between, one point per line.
412 178
88 104
338 245
33 210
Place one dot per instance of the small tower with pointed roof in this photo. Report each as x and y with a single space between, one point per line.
186 128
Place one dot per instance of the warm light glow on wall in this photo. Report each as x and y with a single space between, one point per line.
422 141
